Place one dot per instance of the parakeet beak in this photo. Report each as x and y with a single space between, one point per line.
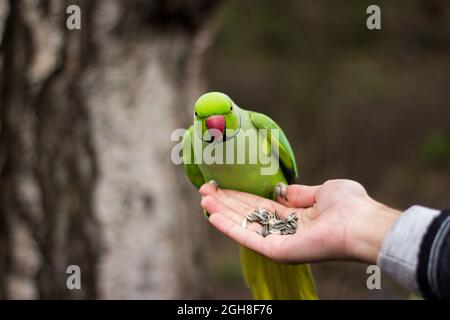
216 126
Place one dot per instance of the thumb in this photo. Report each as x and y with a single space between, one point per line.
299 196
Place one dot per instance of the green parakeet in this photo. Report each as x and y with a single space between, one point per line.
218 124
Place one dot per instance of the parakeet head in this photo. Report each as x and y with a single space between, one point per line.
216 117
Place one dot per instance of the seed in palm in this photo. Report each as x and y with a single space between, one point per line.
272 223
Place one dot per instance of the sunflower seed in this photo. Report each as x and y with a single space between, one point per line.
265 231
272 223
277 216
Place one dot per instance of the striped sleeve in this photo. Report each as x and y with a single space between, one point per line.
399 254
433 271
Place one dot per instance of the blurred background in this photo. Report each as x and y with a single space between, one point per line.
87 116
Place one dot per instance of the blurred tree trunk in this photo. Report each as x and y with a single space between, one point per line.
85 170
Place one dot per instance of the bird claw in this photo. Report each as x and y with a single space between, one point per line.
213 182
281 191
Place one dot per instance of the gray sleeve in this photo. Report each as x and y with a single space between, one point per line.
399 252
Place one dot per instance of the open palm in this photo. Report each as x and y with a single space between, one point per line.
334 221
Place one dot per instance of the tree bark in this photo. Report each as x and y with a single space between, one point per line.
85 172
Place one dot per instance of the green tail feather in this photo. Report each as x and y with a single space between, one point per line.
270 280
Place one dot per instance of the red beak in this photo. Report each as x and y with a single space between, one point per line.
216 124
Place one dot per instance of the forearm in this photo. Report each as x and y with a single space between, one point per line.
368 229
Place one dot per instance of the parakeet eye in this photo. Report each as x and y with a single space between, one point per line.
196 113
231 108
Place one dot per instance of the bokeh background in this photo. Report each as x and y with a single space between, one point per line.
86 119
372 106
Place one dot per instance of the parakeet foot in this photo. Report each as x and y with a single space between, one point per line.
281 191
213 182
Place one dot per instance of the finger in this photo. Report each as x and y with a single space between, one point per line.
233 197
244 237
229 199
211 204
207 188
300 196
224 199
241 202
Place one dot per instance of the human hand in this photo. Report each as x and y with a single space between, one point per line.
337 220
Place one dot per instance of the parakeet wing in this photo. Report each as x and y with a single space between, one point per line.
286 155
192 170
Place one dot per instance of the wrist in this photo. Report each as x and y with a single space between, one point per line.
369 230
